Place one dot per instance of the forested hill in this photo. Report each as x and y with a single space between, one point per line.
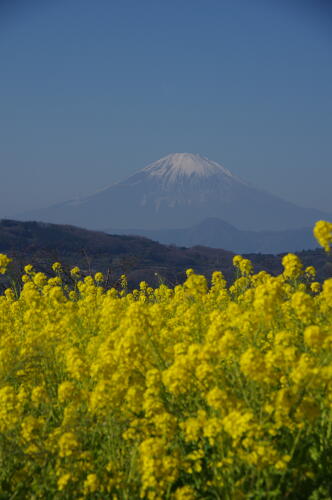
42 244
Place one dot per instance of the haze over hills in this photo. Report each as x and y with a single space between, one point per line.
216 233
177 191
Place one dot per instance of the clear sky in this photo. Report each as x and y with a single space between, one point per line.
92 90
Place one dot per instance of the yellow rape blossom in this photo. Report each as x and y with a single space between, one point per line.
4 261
57 267
201 390
323 234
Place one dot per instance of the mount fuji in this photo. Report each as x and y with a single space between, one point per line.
179 190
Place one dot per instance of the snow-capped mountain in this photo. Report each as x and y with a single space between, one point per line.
176 168
179 190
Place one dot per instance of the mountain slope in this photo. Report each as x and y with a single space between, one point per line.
42 244
177 191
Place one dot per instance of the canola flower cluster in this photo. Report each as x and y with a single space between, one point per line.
201 391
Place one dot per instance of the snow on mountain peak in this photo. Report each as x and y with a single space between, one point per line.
179 165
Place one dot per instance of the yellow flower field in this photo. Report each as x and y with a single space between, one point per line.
199 392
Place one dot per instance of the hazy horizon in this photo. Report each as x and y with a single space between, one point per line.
92 92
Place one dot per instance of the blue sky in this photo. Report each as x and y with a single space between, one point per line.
92 90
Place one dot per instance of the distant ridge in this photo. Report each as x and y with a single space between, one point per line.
180 190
